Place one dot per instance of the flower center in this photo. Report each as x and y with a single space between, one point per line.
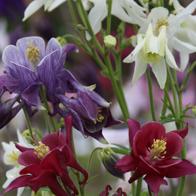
152 57
158 149
33 54
160 23
41 150
100 118
13 157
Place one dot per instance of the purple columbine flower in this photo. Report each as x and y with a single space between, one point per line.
23 62
90 111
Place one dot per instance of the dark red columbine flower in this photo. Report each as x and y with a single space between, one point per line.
155 154
47 164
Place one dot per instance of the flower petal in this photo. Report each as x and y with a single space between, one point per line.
32 8
55 4
134 126
154 182
174 144
127 163
160 71
144 138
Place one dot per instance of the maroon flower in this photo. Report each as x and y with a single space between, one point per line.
47 164
155 154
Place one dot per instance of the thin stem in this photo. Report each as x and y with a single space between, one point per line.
151 95
139 187
109 17
28 122
149 191
45 102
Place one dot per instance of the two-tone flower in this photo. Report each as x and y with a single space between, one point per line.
155 154
48 163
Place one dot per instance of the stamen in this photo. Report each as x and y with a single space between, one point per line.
160 23
33 54
158 149
41 150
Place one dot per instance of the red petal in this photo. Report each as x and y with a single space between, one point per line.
183 168
28 158
154 182
136 175
127 163
68 127
21 181
144 138
182 132
22 148
134 126
174 144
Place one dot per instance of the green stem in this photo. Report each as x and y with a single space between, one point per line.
117 89
151 95
139 187
45 102
109 17
28 122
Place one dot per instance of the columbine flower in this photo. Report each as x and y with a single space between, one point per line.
47 164
178 26
22 63
155 154
152 49
10 157
126 10
89 110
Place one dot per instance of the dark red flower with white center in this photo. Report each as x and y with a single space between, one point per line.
155 154
47 164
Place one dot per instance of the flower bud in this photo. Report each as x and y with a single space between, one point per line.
110 41
109 160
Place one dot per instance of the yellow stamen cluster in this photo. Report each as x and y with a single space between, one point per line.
33 54
100 118
13 157
41 150
158 149
160 23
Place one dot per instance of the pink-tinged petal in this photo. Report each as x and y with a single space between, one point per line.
154 182
22 148
183 168
21 181
68 128
165 163
182 132
127 163
28 158
144 138
174 144
134 126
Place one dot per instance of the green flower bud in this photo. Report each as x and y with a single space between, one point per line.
110 41
109 160
61 40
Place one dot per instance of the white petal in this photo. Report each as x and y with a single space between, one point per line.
160 72
97 14
170 59
32 8
184 59
55 4
131 57
140 68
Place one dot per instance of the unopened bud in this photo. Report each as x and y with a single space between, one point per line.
110 41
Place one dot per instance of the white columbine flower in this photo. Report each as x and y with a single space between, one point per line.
10 157
152 49
126 10
180 28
